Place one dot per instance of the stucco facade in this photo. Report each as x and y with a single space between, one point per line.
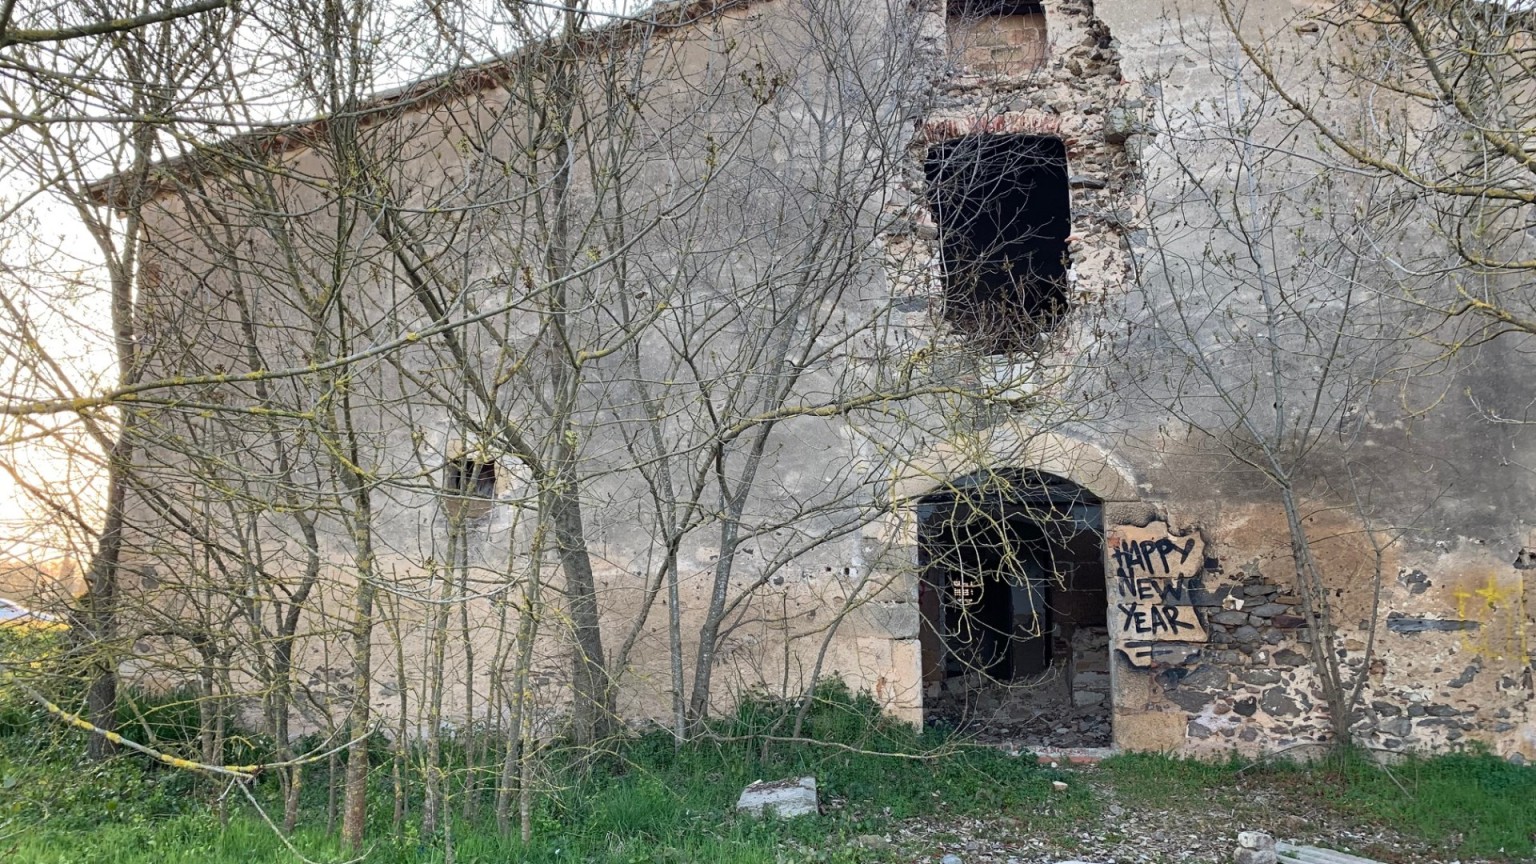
1160 597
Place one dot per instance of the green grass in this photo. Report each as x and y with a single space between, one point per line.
1151 778
647 801
1486 802
1471 803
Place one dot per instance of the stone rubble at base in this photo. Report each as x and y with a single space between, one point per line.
782 798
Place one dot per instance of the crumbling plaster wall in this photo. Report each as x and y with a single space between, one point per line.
1455 667
790 604
1439 643
1416 463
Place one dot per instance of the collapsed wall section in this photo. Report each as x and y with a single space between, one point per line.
1217 652
1007 242
1020 182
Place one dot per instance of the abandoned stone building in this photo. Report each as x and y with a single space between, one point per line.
899 344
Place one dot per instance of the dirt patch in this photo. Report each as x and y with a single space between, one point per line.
1198 829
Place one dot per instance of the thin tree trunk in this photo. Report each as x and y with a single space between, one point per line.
432 804
101 610
355 804
593 710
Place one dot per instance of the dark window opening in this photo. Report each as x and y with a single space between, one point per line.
471 485
1015 640
992 8
1004 213
997 37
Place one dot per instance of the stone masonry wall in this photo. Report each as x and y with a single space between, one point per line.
1444 653
1076 94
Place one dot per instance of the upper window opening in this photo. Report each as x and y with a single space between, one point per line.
998 37
471 484
1004 214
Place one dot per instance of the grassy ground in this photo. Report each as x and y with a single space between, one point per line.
649 802
1465 804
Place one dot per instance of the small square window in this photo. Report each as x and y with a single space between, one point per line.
471 486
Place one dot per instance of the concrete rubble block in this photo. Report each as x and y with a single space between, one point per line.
874 842
782 798
1254 847
1255 840
1291 854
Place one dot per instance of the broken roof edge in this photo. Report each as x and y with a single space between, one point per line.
115 190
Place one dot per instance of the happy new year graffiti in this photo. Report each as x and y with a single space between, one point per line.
1156 575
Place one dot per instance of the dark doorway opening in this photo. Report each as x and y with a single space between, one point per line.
1004 213
1014 637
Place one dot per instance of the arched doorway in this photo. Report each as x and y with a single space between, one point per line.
1012 594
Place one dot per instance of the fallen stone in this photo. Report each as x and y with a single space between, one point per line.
1254 847
950 859
1255 840
782 798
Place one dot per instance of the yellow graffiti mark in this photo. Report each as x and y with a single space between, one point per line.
1502 632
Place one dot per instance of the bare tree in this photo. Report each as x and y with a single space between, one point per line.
1440 112
615 306
1280 292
